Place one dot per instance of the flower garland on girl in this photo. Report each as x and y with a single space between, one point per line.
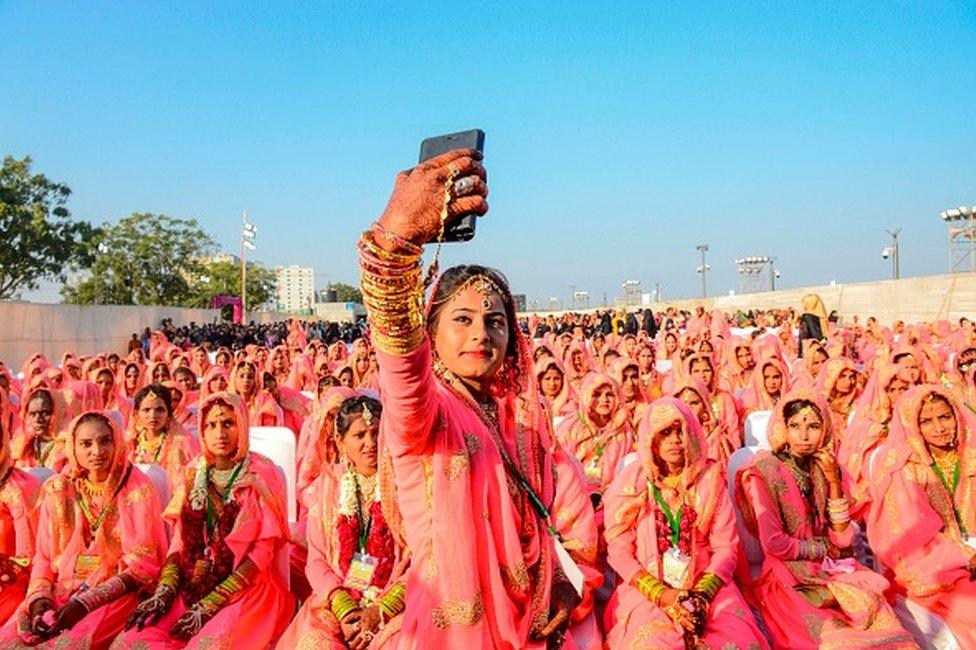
362 527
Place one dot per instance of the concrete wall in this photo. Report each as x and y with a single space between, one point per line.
910 299
26 328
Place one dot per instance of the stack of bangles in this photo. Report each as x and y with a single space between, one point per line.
651 588
342 604
708 585
812 549
105 593
231 587
392 291
838 511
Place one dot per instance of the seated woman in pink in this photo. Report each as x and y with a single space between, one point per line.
43 418
923 509
811 592
868 432
599 435
719 445
100 541
671 536
837 382
552 384
113 398
155 437
215 381
219 586
767 384
356 564
626 372
468 440
722 404
248 384
18 523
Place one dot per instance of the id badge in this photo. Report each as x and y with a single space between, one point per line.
85 566
361 570
592 471
674 566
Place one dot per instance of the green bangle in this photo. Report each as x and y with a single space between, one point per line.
342 604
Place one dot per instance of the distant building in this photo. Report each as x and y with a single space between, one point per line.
295 287
218 258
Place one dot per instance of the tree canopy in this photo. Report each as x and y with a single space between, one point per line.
346 293
38 238
144 259
223 278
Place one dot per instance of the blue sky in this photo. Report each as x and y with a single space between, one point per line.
619 135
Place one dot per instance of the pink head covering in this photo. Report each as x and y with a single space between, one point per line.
232 401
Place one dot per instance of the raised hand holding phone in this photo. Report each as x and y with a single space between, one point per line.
427 199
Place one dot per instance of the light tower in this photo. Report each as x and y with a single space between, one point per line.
755 276
704 268
962 238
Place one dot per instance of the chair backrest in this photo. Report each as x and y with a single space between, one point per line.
278 445
753 549
663 365
159 478
755 430
309 394
40 473
629 459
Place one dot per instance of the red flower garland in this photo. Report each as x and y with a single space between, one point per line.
686 531
379 544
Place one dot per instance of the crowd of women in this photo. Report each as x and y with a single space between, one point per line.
460 485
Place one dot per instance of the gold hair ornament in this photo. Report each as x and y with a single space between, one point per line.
481 283
367 415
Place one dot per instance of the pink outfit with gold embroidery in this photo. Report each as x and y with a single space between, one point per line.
916 527
632 620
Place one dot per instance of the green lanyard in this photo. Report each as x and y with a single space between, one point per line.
230 484
365 525
96 523
674 519
952 491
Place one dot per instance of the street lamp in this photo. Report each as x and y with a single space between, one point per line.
248 232
962 237
704 268
892 252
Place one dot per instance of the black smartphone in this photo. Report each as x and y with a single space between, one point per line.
461 229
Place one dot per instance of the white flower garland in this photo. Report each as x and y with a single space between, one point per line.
347 493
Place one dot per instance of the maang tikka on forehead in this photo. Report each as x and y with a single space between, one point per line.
367 415
481 283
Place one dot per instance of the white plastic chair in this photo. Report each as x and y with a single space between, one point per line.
278 445
929 630
40 473
159 478
663 365
309 394
753 549
755 431
629 459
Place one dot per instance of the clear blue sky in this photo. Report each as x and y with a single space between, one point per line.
619 135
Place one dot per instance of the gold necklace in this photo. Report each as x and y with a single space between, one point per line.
947 463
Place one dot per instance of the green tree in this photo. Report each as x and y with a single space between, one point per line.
38 238
144 259
346 293
224 279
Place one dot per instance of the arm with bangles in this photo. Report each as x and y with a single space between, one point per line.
359 624
390 257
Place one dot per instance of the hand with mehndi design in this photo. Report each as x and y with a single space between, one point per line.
414 209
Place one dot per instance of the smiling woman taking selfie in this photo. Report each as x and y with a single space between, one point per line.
463 424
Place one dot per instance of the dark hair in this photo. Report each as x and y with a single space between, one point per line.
42 394
451 281
328 380
157 390
185 370
795 406
99 417
352 408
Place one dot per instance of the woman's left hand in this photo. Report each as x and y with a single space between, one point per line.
563 601
369 623
67 616
187 625
828 465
